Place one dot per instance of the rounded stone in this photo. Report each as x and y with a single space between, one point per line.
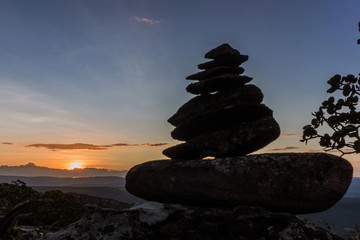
237 140
210 73
285 182
225 60
218 83
211 121
213 102
223 49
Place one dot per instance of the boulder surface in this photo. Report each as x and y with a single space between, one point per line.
169 221
286 182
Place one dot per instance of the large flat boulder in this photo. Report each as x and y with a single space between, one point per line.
286 182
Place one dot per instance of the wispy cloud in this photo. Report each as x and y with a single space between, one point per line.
86 146
155 144
283 149
147 20
24 108
74 146
312 151
139 144
8 143
289 135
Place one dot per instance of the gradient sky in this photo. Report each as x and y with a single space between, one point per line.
113 71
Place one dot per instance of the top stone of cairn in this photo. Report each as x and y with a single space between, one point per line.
224 49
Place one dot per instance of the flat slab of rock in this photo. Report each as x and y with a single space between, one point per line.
220 119
286 182
170 221
237 140
230 60
214 102
215 72
219 83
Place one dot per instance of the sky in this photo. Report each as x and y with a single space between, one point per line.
93 82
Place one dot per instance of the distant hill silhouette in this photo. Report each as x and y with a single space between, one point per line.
67 181
31 170
103 187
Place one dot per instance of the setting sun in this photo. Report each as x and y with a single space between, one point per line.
75 165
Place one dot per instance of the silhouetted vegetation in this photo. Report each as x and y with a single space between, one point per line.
14 193
21 205
57 209
340 115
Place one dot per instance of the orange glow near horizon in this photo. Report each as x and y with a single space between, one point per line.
117 158
124 158
75 165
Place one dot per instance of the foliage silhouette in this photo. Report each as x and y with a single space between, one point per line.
340 115
11 194
21 205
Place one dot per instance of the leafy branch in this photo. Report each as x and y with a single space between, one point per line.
340 115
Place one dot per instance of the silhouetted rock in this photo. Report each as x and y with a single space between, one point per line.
237 140
218 83
223 49
215 72
220 119
227 118
228 121
226 60
286 182
248 94
170 221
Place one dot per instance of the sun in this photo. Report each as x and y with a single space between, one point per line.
75 165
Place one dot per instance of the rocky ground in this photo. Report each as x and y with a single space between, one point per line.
170 221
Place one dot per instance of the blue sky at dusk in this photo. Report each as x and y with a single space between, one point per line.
113 71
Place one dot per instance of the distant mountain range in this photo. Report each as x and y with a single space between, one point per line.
68 182
31 170
104 187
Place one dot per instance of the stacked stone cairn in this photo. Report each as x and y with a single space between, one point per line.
227 118
227 121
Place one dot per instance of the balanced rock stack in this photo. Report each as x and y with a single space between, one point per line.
227 119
